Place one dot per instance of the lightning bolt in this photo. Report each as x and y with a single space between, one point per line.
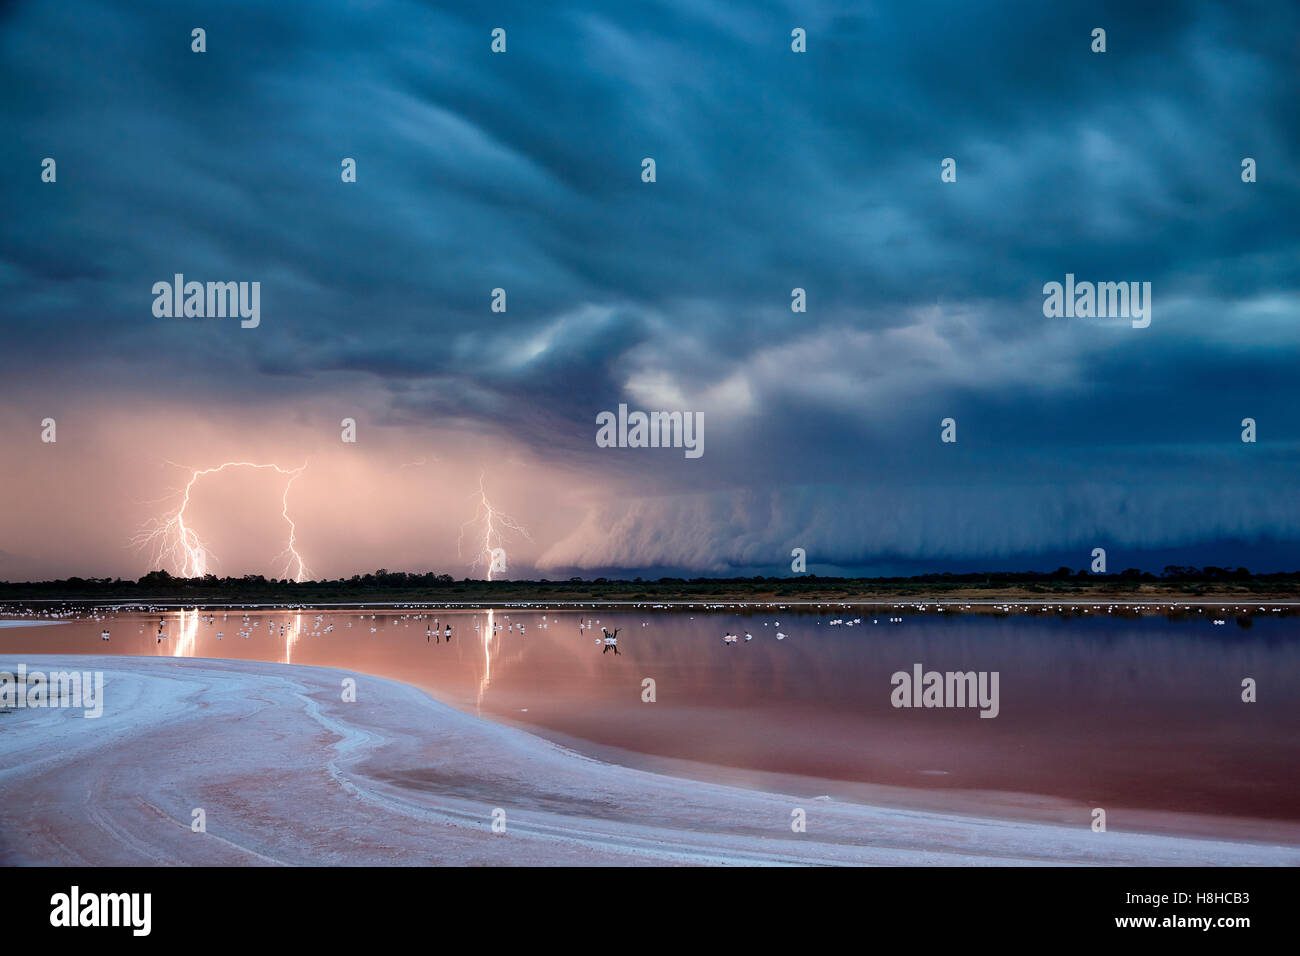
175 542
494 523
290 553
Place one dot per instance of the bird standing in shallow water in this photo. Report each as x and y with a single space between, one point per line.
611 640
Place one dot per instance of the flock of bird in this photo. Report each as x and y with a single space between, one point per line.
291 627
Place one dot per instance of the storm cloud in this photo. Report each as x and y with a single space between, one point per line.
775 170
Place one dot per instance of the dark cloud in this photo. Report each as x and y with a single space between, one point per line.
821 171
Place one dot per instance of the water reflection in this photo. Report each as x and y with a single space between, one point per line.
292 631
184 643
488 637
1101 709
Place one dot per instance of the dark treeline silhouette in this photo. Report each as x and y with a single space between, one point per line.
403 585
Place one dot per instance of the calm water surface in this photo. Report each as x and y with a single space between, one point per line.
1109 711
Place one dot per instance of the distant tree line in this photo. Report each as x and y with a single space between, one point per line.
403 584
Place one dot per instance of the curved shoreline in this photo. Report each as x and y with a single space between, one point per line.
286 772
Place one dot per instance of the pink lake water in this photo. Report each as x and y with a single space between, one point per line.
1100 711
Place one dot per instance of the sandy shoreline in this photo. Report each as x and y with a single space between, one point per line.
287 773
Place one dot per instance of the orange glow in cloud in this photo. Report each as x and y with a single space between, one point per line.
393 500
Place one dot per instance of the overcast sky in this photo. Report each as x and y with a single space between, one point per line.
775 170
